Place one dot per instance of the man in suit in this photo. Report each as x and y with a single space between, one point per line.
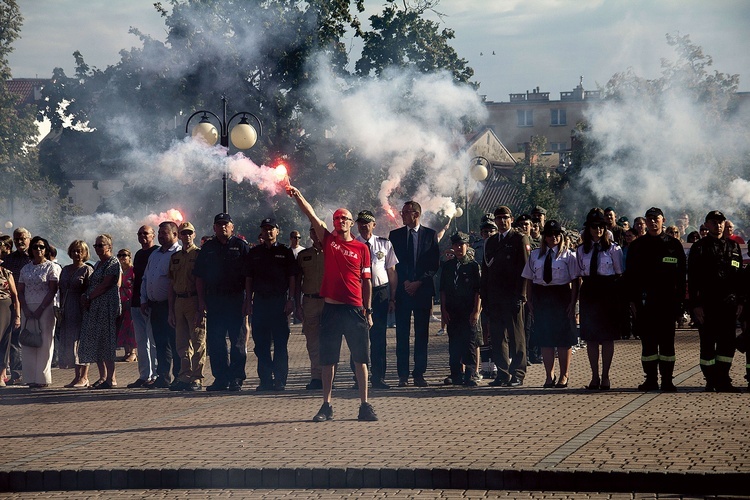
503 293
418 256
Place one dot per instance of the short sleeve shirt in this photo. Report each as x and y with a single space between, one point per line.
36 278
564 267
220 266
270 269
347 263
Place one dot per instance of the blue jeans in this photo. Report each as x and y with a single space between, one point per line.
144 338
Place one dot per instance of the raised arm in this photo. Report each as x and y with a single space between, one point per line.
307 209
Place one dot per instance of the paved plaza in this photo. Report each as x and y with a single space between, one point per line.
439 438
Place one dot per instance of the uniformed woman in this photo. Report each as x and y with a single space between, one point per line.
600 263
553 270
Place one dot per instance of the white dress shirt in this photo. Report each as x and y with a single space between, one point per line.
155 285
564 267
382 258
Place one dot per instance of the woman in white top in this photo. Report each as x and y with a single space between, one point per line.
553 271
37 287
600 263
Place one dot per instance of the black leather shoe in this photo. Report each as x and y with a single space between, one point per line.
498 383
195 385
649 385
315 385
325 413
161 383
403 382
235 385
514 382
135 385
419 381
264 387
379 383
217 386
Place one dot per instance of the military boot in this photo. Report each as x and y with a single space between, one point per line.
666 368
651 369
709 373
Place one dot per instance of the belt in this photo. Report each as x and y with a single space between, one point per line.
379 287
186 295
312 295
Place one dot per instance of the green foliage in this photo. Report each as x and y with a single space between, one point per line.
402 37
539 183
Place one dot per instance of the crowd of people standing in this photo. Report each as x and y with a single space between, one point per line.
529 289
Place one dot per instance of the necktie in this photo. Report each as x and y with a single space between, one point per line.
410 253
594 267
372 256
548 267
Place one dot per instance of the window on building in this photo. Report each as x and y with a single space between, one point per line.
558 146
558 117
525 117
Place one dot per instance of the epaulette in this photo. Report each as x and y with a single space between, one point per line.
382 238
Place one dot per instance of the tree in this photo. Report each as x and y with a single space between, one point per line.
537 181
652 141
29 197
403 37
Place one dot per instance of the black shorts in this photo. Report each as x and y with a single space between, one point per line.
348 321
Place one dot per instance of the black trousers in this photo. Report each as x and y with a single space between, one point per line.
655 324
462 347
508 339
404 310
224 319
271 328
164 338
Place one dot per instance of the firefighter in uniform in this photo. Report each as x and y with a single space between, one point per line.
309 304
184 313
655 280
716 297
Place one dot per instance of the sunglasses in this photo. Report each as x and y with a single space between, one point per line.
38 247
122 255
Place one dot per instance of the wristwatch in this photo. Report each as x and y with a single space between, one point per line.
368 311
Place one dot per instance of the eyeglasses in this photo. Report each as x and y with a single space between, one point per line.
343 217
38 247
100 245
186 233
122 255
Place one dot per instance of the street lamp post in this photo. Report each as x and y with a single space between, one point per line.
479 171
243 136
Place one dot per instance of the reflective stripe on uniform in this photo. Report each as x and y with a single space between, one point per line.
707 362
654 357
667 358
724 359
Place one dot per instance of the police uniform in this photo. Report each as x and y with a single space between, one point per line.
503 295
190 340
310 262
269 270
714 281
220 266
382 258
459 286
655 280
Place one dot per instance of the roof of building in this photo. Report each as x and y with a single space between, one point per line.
28 88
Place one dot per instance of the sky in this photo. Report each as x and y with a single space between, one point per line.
544 43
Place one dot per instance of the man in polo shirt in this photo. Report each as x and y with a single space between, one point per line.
221 285
347 292
269 299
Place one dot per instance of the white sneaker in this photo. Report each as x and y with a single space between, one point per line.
434 319
441 331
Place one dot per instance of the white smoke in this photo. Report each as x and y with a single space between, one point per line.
401 119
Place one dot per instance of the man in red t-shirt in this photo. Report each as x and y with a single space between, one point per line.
346 292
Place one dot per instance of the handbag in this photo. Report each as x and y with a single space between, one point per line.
30 337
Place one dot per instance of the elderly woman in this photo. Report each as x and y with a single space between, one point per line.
10 311
37 287
74 280
553 272
600 262
125 332
101 303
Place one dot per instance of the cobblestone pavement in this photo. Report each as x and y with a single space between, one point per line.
440 439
